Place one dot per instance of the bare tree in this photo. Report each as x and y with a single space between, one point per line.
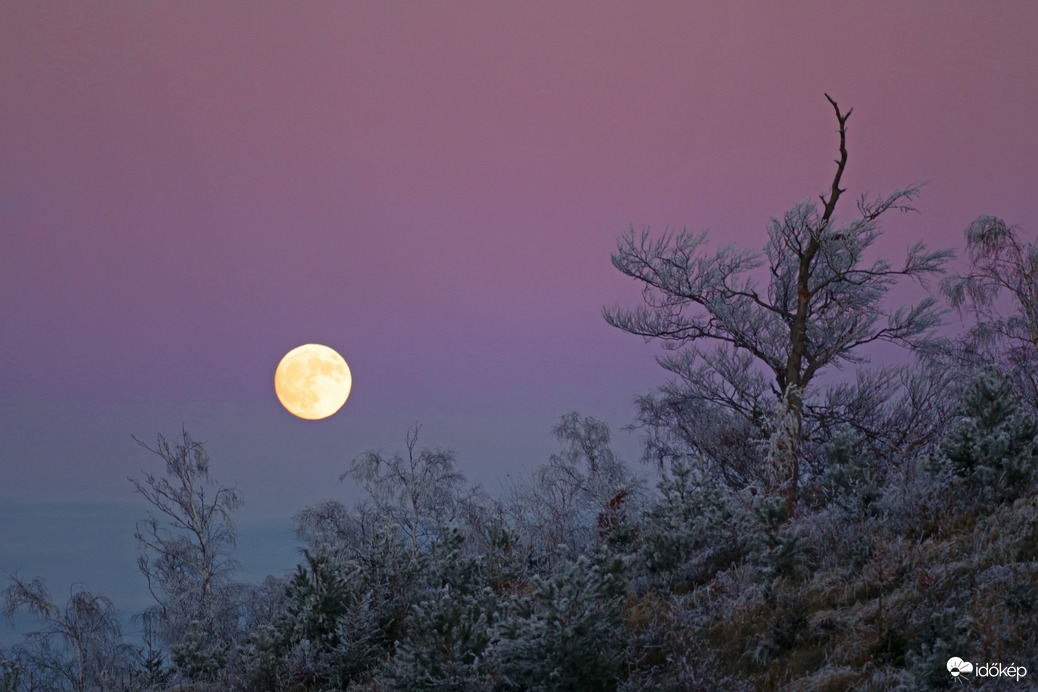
739 345
1000 294
185 543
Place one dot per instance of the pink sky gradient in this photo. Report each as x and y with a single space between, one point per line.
189 190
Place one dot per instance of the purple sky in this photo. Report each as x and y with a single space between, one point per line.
189 190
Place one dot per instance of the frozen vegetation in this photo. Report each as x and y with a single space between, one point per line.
820 523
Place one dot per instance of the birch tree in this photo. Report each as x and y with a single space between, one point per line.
582 495
77 647
420 493
1000 294
185 545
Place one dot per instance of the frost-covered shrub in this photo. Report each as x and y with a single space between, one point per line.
940 637
296 646
995 442
448 634
692 531
316 598
786 625
851 479
196 658
262 666
777 543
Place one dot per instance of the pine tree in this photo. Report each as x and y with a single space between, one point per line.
994 443
565 635
449 629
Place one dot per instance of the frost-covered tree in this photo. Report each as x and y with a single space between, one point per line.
693 528
748 327
565 634
185 546
330 631
1000 294
995 441
583 494
78 647
420 494
340 620
448 629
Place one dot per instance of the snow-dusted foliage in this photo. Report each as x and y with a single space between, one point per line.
337 621
562 633
692 531
449 628
994 443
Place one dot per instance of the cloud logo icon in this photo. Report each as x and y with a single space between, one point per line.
956 666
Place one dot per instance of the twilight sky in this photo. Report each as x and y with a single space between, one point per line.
189 190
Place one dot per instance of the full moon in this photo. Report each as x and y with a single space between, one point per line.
312 381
